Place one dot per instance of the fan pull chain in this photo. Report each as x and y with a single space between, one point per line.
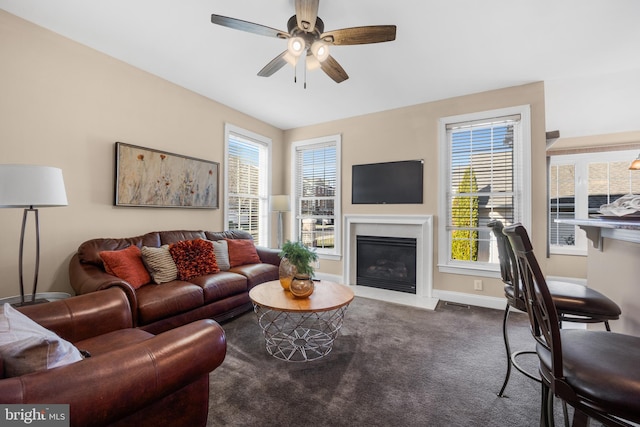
305 75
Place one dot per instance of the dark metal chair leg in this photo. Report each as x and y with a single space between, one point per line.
508 349
544 406
550 418
580 419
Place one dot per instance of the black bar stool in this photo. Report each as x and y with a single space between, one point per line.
573 302
596 372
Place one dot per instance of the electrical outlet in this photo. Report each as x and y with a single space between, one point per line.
477 285
317 264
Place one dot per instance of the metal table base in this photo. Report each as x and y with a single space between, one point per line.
299 336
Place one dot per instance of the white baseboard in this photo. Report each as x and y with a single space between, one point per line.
458 297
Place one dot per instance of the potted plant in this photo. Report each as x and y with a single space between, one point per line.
296 265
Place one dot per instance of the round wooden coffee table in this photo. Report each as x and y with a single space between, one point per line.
300 329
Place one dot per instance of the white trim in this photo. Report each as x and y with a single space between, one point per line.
424 248
522 161
336 140
581 162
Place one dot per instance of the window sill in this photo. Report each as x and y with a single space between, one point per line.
470 271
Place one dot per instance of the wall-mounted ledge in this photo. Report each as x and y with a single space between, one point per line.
599 228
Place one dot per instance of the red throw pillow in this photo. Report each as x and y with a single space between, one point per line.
242 251
126 264
194 258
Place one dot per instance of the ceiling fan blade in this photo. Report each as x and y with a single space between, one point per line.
306 14
334 70
360 35
239 24
273 66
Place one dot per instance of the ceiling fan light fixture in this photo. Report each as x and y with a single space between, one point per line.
312 63
291 59
296 46
320 50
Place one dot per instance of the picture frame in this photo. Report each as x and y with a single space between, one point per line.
145 177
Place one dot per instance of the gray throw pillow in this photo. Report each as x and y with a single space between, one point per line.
221 250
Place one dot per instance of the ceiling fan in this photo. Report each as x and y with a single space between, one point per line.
306 35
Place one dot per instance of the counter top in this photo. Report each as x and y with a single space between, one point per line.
612 228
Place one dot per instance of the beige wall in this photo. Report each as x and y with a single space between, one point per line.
65 105
412 133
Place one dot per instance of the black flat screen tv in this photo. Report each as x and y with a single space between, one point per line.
387 183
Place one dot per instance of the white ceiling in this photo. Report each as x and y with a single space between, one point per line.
443 48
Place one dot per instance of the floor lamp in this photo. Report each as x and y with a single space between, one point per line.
31 187
280 204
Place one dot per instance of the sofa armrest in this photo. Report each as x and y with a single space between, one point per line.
268 255
85 278
106 388
84 316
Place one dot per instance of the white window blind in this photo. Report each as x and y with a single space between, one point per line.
485 178
316 187
247 178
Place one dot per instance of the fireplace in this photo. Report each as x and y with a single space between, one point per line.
415 227
386 263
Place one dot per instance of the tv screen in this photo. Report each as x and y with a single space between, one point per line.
387 183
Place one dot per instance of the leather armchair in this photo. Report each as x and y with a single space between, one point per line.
132 377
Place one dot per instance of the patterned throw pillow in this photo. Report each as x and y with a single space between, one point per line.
160 263
193 258
127 265
241 252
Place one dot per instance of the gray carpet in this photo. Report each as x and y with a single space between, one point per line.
392 365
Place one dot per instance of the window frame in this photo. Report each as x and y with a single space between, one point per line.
336 140
521 187
581 162
264 143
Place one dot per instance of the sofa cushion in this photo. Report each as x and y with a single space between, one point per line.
242 252
193 258
221 249
114 340
89 251
257 273
25 346
175 236
221 285
228 234
126 264
160 263
157 302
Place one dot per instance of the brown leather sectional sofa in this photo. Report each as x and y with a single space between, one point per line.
158 308
133 378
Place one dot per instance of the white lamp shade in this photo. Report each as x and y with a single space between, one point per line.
320 50
296 46
280 203
30 185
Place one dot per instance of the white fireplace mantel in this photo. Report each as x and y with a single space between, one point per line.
419 227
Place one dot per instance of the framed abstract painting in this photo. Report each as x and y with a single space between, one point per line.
152 178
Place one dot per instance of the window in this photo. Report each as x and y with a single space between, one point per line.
578 185
316 190
486 176
247 178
